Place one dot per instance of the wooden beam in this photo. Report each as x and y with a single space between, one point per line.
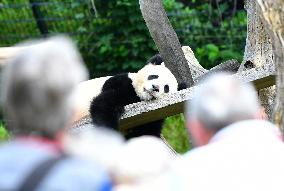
152 115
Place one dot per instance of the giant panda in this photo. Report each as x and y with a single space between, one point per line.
153 81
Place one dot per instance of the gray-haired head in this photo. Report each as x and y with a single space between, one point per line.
38 86
221 100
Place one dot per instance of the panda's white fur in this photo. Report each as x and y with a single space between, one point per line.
85 92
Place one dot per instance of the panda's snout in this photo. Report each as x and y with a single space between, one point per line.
155 88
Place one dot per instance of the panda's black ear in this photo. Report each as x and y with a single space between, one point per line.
156 60
182 86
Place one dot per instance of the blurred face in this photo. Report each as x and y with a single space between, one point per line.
199 135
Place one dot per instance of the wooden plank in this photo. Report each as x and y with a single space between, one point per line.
153 115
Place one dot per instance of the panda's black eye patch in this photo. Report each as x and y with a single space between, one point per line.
152 77
166 89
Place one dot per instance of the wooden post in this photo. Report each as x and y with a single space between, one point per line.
258 49
272 14
166 39
39 17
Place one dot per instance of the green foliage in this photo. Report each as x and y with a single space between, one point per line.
12 29
123 42
176 134
214 36
118 39
121 39
4 135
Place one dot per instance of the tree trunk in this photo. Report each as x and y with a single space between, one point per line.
258 50
272 14
258 53
166 39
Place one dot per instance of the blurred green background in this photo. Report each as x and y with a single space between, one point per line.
113 38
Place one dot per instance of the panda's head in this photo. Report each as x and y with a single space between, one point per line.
154 80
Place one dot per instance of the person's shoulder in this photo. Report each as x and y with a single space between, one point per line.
253 127
192 159
81 174
198 152
80 165
86 172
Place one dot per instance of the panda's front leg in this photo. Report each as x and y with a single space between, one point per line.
105 110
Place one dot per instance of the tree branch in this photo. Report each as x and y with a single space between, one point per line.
272 14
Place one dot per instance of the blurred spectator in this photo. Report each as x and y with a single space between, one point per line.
235 150
140 161
131 164
37 96
98 144
142 158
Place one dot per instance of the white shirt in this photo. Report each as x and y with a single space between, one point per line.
245 156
